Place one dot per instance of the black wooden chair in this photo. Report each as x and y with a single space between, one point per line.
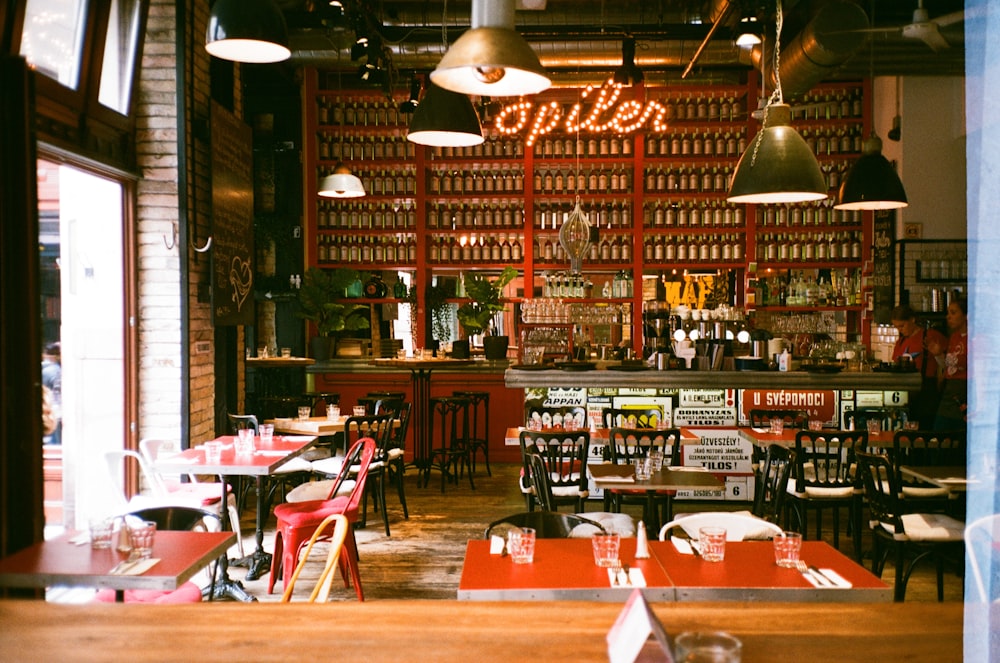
628 444
448 432
547 525
479 425
794 419
564 455
612 417
771 485
912 536
559 417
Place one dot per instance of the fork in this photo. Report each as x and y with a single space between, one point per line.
615 575
805 569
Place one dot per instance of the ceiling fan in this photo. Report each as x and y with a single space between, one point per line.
926 29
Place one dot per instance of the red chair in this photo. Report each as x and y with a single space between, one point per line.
297 521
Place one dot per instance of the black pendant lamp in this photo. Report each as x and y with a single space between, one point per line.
872 183
628 74
251 31
445 119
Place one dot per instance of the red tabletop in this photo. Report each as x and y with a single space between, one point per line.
564 570
762 437
265 460
607 475
748 573
61 562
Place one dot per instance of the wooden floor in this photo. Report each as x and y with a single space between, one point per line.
423 556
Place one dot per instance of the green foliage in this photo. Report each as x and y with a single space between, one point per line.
436 301
480 313
320 298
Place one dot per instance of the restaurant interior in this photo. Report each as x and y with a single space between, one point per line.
267 249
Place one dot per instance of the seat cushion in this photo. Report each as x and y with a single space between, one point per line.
925 492
317 490
295 465
824 492
621 524
301 514
186 593
328 466
932 527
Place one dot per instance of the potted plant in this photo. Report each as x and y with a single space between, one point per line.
480 315
320 299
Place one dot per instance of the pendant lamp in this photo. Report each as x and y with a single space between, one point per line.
342 183
446 119
490 58
778 166
252 31
574 235
628 74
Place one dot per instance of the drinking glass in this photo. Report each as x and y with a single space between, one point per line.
606 548
787 548
522 545
266 433
707 647
332 412
244 442
359 410
712 541
655 460
304 412
642 469
141 535
213 452
101 530
777 425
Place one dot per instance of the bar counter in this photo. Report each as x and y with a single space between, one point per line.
457 631
681 379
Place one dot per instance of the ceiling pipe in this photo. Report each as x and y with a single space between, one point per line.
719 13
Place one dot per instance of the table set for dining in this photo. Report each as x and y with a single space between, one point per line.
565 569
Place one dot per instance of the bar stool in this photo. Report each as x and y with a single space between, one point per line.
479 413
448 432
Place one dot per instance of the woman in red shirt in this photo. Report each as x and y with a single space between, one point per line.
954 362
913 342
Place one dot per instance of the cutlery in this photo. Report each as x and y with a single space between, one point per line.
628 578
813 572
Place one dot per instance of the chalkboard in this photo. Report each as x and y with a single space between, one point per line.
883 264
232 220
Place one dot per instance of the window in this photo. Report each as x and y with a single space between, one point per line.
120 55
52 39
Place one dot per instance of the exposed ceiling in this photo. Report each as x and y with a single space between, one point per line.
580 40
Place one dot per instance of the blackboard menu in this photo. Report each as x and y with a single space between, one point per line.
232 220
883 263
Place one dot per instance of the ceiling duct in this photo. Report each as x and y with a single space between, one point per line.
828 40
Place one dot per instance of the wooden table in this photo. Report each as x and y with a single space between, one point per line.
265 460
763 438
952 477
454 631
670 479
320 426
60 562
564 569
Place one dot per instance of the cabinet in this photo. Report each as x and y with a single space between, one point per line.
931 272
651 171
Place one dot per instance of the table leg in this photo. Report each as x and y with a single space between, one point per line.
421 406
225 587
258 562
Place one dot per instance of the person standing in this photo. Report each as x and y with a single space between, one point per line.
913 342
52 380
954 361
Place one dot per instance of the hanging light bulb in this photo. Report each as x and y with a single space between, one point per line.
247 31
342 183
778 167
574 235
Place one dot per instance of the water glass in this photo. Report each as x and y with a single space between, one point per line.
777 425
522 545
101 530
141 535
266 433
360 411
642 469
304 412
332 412
213 452
655 460
874 426
815 424
712 542
787 548
707 647
606 547
244 442
286 352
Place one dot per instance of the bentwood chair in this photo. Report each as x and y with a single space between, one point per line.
479 425
297 521
917 448
321 591
740 526
913 537
564 456
626 444
631 417
771 484
547 525
171 518
448 431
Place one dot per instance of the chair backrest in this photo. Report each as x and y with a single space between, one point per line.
772 483
539 480
180 518
613 417
398 438
567 417
322 589
627 444
547 524
151 450
797 419
564 454
881 489
739 526
918 447
376 426
388 405
829 457
238 422
356 463
115 461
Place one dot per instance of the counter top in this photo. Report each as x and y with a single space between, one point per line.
391 365
519 379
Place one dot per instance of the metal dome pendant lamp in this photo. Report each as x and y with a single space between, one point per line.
872 183
491 59
250 31
445 119
778 167
342 183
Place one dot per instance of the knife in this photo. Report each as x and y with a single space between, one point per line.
821 578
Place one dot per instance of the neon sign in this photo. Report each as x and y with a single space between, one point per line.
604 114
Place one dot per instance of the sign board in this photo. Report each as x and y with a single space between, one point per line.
883 264
722 451
705 416
232 220
821 404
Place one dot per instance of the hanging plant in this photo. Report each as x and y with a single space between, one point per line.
436 300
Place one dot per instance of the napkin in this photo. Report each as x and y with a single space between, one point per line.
635 578
497 545
136 568
760 430
687 468
836 578
80 539
618 477
836 581
682 545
